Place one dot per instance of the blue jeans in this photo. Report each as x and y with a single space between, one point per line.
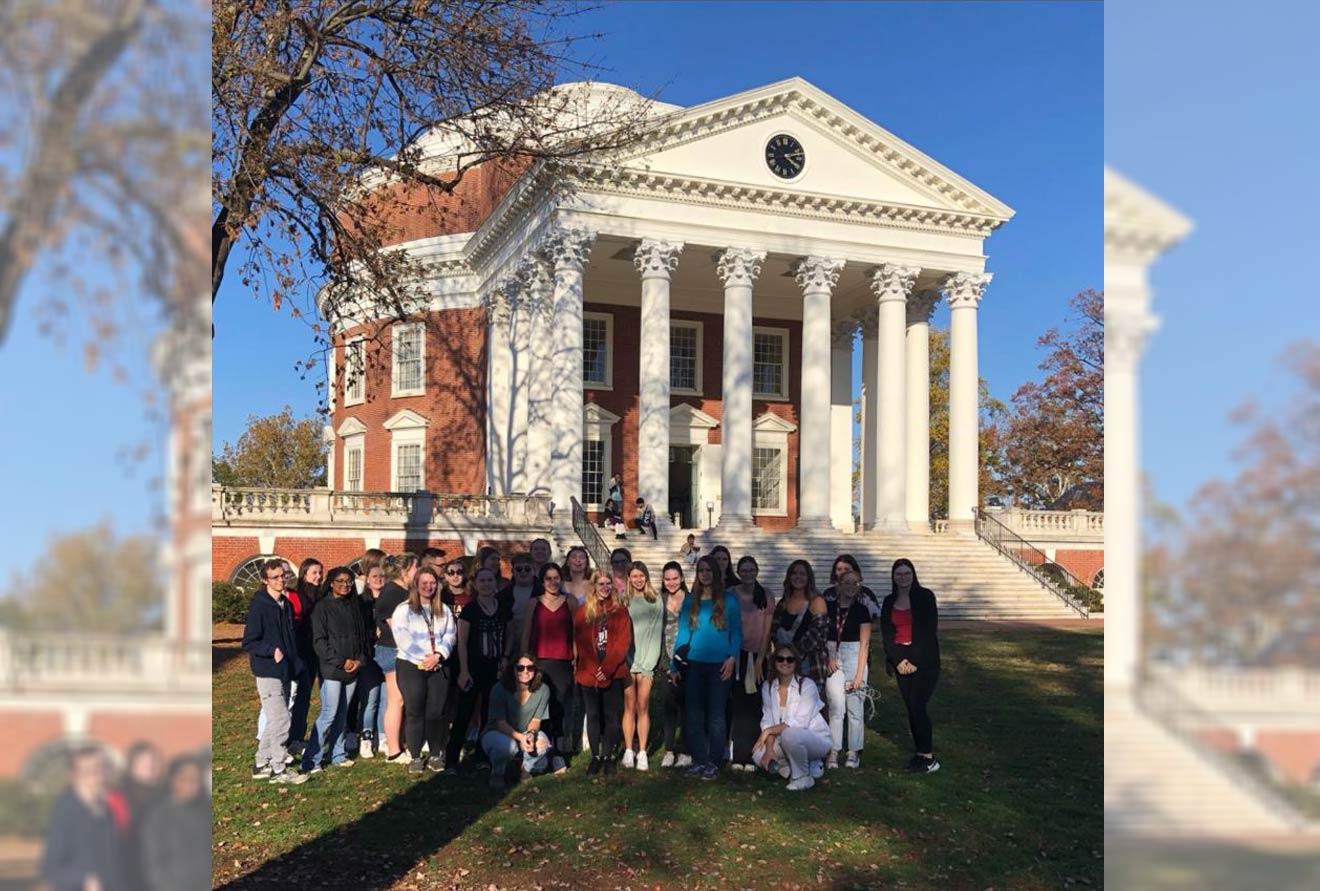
501 749
704 727
329 729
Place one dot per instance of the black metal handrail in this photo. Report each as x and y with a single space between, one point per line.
1018 549
1175 711
590 536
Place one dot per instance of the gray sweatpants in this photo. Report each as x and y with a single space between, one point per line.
274 695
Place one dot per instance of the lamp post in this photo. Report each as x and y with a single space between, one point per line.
710 514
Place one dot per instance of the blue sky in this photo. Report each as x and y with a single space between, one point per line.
1212 108
1009 96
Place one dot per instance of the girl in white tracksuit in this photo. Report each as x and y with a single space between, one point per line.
793 733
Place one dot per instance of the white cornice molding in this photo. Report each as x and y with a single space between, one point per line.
798 95
1138 226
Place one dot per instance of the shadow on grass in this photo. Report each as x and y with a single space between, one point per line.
1017 805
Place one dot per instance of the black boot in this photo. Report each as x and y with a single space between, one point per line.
594 767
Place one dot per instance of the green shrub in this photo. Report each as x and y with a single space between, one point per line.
229 603
23 811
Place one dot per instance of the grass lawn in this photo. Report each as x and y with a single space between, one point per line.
1017 805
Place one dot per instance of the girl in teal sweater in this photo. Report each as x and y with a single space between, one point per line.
709 639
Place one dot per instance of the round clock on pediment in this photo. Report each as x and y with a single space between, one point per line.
784 156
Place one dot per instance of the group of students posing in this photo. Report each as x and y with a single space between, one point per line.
515 668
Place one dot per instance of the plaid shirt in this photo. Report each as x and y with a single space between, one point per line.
811 640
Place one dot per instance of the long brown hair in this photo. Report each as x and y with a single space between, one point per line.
592 608
812 591
648 591
510 676
415 594
700 591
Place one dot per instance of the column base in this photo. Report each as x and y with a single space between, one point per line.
891 525
921 527
734 524
816 524
965 528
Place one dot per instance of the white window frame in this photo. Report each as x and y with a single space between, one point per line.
199 483
598 426
354 435
782 334
360 345
608 383
407 427
397 332
700 328
354 445
770 431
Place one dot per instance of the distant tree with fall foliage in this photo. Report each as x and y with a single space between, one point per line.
275 452
1053 438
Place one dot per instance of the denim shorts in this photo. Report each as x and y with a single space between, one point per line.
386 657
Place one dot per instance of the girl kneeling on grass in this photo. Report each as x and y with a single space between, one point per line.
518 706
793 733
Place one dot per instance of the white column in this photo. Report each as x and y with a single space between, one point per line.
536 279
816 276
499 389
655 260
919 310
963 290
1125 336
843 332
891 284
737 269
567 250
519 424
869 319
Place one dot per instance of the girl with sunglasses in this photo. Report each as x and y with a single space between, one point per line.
519 705
547 636
793 733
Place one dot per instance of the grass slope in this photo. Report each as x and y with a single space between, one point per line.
1018 804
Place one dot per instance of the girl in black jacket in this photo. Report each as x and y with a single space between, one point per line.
339 636
909 624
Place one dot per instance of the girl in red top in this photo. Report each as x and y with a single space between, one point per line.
909 625
602 633
547 636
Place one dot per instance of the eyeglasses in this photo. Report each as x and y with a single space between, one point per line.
527 668
341 581
275 578
788 660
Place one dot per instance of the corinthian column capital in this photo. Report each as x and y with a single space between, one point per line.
534 281
869 320
842 333
963 289
568 248
817 273
921 306
499 302
738 266
892 281
656 258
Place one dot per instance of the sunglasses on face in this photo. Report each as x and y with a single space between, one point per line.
526 668
457 572
787 660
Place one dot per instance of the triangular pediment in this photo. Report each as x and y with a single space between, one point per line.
351 427
845 153
592 413
406 419
772 423
689 416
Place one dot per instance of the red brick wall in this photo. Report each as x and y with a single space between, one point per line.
454 403
39 729
622 399
229 552
1295 753
1083 564
174 734
410 212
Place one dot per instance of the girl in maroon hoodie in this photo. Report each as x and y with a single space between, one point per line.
602 636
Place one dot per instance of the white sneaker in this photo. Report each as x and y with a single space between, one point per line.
683 761
629 759
643 763
364 749
816 769
557 765
668 760
832 761
800 783
852 760
785 771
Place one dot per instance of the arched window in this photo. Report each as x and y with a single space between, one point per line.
47 769
1099 581
248 574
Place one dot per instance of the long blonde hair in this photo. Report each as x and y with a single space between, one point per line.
593 609
415 593
699 591
648 591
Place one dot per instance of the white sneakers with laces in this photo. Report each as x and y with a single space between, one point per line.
643 763
629 759
668 760
800 784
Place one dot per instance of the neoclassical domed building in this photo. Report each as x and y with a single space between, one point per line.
684 314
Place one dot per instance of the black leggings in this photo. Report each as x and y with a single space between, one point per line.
564 720
745 717
424 695
916 690
604 717
483 681
674 706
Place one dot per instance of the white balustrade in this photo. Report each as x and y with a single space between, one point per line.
243 506
83 663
